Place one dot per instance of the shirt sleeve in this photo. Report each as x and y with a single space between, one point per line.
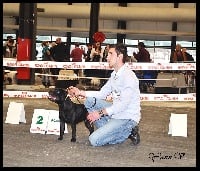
102 94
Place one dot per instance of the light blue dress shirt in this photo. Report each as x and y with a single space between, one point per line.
124 88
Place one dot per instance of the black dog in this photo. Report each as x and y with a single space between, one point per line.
69 112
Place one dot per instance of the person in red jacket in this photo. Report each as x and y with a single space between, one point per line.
76 55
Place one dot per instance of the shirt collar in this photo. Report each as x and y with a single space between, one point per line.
118 72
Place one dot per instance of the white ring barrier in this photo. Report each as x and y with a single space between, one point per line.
97 65
100 65
143 97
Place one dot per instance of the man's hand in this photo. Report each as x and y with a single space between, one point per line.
93 116
73 91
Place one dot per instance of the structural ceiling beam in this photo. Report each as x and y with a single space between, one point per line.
109 12
139 32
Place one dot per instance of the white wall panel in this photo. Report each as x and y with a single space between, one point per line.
9 20
187 5
81 4
44 21
81 23
185 38
189 27
165 26
108 24
141 25
80 34
62 22
150 5
148 37
109 4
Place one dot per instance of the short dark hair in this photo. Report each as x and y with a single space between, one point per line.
44 43
141 44
77 44
120 48
9 37
89 44
11 41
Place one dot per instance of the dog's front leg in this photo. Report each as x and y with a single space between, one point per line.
73 126
62 130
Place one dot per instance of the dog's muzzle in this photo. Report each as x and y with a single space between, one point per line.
52 98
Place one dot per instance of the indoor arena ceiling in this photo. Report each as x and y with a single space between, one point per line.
142 19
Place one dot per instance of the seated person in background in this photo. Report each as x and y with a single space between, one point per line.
189 57
132 59
143 55
178 55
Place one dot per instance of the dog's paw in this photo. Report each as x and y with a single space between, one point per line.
73 140
60 138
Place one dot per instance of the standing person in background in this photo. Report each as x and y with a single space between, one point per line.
88 72
9 49
88 53
59 54
76 55
105 53
97 52
59 51
53 70
83 49
52 46
105 73
115 121
46 56
96 56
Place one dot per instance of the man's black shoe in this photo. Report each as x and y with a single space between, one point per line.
135 136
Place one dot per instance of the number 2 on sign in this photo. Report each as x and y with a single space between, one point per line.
40 119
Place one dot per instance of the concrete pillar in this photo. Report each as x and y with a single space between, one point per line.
173 39
121 25
26 41
94 20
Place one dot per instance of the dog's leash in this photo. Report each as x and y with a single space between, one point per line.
75 96
78 99
81 103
